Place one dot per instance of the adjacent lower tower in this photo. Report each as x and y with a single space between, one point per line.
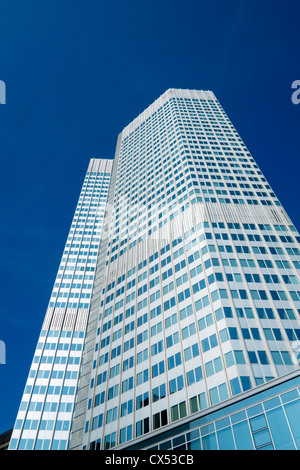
45 415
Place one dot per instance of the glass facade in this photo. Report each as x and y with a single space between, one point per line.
266 420
195 298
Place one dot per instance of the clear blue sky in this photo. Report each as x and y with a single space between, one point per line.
76 73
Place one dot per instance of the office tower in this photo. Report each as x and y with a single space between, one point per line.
197 299
45 413
191 339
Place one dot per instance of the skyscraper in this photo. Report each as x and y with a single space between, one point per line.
45 414
191 336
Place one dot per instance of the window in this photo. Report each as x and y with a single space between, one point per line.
191 352
174 361
160 419
111 415
158 392
194 375
142 377
184 295
169 321
142 427
142 337
127 384
263 357
239 357
142 400
188 331
178 411
281 357
158 369
157 348
218 393
126 408
185 312
113 392
156 329
169 303
214 366
176 384
172 339
126 434
110 440
209 343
